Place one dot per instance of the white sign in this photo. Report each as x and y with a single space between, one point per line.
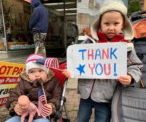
100 60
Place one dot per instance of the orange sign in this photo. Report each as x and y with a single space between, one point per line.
140 29
9 78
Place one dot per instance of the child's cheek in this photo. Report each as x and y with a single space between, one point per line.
45 77
31 77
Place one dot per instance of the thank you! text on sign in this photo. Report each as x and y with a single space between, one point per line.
100 60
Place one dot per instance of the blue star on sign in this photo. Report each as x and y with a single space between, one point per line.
80 68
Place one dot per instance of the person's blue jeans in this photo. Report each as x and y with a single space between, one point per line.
102 111
17 119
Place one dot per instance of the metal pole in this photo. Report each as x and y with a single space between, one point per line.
64 24
3 18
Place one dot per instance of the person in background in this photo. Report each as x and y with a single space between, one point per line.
38 24
39 84
71 33
112 25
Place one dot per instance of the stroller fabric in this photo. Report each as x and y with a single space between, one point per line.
129 105
140 47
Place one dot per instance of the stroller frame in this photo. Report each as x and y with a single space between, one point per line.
58 115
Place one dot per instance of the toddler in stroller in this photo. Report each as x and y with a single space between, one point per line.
42 87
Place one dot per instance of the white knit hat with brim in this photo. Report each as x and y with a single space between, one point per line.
31 63
113 6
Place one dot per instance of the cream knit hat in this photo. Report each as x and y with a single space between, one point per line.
31 63
113 6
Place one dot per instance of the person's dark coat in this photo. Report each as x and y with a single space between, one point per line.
40 18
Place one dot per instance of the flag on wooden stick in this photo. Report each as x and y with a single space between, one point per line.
44 111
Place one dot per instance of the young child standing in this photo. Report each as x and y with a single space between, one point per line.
35 80
112 25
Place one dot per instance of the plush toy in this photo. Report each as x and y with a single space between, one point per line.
28 108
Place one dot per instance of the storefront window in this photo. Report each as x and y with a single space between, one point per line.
2 36
1 23
16 22
19 36
17 33
55 31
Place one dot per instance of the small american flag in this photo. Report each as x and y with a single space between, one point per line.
44 112
52 63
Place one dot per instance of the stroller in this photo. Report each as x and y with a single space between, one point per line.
129 104
57 68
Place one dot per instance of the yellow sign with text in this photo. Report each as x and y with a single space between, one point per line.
9 78
8 69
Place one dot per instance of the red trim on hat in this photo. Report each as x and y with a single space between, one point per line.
34 57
